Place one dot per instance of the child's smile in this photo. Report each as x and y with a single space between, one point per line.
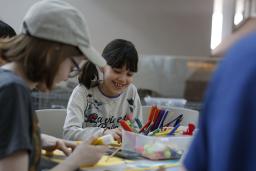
116 80
119 85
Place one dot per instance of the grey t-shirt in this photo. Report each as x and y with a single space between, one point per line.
18 124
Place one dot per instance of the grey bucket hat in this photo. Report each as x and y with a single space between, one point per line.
57 20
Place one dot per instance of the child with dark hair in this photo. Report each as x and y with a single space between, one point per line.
96 106
6 31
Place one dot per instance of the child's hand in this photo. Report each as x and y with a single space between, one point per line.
83 155
86 154
50 143
116 133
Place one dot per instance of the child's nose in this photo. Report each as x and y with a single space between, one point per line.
123 77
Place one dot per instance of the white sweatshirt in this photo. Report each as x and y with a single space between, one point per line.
89 111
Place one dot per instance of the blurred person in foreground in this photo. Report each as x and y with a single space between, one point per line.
226 138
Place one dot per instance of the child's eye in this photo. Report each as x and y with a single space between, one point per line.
130 74
117 71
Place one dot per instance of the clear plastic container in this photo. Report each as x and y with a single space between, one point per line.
133 142
169 102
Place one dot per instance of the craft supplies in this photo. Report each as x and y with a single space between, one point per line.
137 143
104 140
138 122
174 129
116 150
157 138
160 151
190 129
125 125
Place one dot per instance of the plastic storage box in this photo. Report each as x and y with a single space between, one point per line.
133 142
168 102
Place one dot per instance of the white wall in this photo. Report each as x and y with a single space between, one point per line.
166 27
228 17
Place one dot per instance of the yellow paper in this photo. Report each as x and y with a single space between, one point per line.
59 156
106 161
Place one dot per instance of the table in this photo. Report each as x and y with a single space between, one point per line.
116 164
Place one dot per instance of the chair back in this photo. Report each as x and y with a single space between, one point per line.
51 121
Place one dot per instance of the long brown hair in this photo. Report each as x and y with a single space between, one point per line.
39 58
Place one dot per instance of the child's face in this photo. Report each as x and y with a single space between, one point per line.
63 73
66 67
116 80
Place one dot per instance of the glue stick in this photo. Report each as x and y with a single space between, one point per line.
104 140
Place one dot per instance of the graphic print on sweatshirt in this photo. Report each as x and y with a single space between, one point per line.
95 114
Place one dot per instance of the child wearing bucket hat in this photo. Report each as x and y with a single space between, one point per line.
54 40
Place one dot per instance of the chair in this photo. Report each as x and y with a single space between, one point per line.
188 114
51 121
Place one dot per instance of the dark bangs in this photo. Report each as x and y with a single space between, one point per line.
119 53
